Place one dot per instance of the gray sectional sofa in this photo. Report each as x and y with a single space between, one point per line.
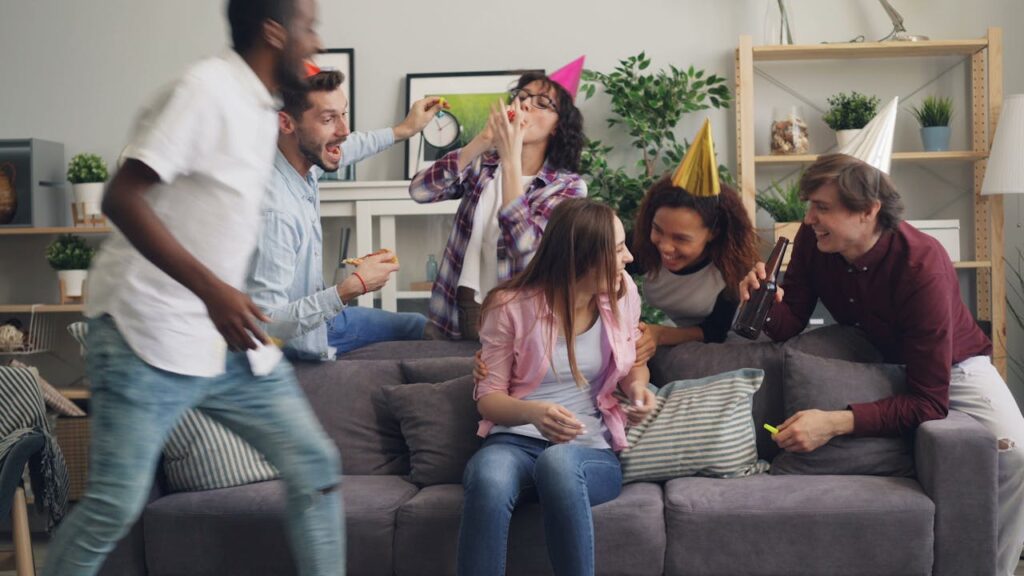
942 521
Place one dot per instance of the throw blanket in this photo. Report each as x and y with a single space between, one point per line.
21 412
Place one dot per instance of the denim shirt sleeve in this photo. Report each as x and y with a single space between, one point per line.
361 145
273 270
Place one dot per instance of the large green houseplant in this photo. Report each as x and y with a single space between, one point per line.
648 106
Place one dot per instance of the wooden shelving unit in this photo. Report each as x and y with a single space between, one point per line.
986 62
55 230
951 156
40 309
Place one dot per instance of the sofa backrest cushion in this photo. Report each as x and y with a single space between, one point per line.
439 422
410 349
201 454
830 384
695 360
700 427
838 342
436 369
347 397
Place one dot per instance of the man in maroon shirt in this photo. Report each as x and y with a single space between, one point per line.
875 272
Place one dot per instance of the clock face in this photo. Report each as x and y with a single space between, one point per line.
442 131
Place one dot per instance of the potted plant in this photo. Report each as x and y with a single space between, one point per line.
70 256
782 202
933 115
848 113
87 173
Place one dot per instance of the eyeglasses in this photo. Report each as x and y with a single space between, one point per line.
541 101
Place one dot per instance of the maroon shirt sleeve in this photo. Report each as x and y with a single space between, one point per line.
789 317
925 313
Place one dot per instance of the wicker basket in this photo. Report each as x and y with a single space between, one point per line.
73 437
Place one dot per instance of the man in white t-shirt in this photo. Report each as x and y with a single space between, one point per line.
169 328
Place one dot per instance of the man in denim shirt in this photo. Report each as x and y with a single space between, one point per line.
286 274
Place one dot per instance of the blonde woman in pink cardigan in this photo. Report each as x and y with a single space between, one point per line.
559 341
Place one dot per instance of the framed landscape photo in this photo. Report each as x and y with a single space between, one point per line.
470 95
343 60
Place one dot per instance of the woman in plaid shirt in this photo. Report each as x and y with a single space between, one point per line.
508 178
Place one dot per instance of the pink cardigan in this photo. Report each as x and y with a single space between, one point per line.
517 337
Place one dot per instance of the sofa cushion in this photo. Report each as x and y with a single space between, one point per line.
699 427
437 369
242 530
347 398
409 349
695 360
838 342
798 525
439 423
829 384
201 454
629 534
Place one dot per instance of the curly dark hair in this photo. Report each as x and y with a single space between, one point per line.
296 100
860 185
733 247
566 145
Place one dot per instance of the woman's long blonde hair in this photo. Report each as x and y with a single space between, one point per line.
579 238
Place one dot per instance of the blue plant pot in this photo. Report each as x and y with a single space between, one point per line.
935 138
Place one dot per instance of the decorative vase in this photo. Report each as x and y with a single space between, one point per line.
843 137
935 138
90 195
72 281
8 193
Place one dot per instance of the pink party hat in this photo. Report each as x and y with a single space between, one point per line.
568 76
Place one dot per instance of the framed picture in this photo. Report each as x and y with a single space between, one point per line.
470 95
343 60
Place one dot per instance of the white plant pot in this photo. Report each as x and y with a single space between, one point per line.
73 281
91 195
843 137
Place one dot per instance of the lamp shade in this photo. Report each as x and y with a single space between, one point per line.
1005 172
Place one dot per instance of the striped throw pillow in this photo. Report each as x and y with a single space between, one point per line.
79 331
699 427
201 454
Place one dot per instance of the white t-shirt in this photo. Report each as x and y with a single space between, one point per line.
210 137
480 263
687 298
593 355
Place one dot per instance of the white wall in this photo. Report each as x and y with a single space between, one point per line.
76 71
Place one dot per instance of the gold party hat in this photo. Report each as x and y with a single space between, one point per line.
698 172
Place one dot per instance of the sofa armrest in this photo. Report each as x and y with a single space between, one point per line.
956 460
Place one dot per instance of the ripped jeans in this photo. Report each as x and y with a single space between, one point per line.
135 406
977 389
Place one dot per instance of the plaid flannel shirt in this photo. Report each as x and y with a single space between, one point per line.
522 222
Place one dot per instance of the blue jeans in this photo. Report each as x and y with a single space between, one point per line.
134 407
357 326
568 479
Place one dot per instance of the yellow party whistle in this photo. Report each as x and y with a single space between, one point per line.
771 428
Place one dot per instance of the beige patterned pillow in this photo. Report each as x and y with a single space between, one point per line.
53 398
